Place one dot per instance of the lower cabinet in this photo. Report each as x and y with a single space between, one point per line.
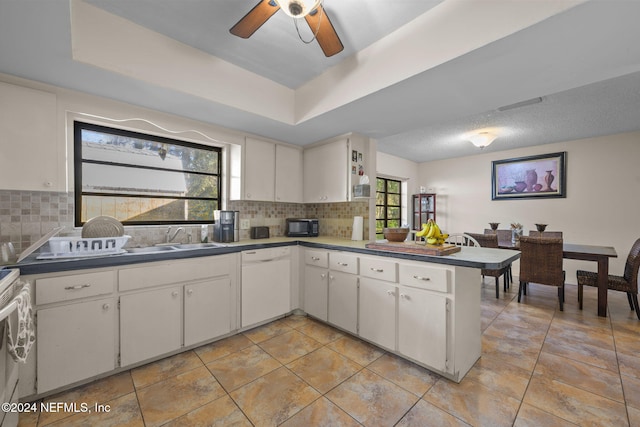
343 301
207 310
75 341
316 281
378 301
150 324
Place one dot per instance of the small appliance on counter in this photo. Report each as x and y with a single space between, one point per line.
302 227
226 226
260 232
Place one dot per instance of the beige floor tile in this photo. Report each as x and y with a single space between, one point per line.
586 353
239 368
501 375
162 369
28 419
634 416
505 326
631 387
573 404
272 399
297 321
629 364
357 350
520 350
222 412
320 332
178 395
586 377
372 400
581 334
425 414
321 413
530 416
407 375
270 330
627 342
289 346
210 352
473 403
121 412
101 391
324 369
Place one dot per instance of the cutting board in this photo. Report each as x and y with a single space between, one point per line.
413 248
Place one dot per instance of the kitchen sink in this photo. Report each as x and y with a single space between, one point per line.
199 245
151 249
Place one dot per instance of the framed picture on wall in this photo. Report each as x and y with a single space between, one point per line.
529 177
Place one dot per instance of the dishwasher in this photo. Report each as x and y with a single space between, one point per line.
266 284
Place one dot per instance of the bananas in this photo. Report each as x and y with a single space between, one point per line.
432 233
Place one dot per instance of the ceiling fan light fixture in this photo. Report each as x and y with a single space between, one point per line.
482 139
298 8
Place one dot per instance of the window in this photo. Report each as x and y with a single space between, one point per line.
388 204
144 179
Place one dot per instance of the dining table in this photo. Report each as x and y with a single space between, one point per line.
577 251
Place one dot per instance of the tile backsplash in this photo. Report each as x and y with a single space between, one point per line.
25 216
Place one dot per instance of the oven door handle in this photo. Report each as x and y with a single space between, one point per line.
8 309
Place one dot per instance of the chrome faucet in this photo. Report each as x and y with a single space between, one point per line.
170 237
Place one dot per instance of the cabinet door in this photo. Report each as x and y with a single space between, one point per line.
316 291
423 327
266 290
150 324
75 342
326 172
288 174
259 170
343 300
207 310
378 312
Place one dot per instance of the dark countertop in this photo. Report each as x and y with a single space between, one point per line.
467 257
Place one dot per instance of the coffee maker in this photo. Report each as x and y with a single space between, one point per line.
226 226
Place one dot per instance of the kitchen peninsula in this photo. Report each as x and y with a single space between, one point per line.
423 308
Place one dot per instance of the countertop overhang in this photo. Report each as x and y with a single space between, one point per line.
472 257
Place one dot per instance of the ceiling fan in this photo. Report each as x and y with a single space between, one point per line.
311 10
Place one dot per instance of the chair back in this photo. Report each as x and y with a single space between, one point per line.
541 260
461 239
555 234
632 265
485 240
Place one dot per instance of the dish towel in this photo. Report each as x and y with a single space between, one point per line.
25 332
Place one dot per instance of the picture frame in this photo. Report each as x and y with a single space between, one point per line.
539 176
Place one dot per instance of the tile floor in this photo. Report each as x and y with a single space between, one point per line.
539 367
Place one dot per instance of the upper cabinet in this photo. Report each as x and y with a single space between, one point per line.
332 169
29 140
270 172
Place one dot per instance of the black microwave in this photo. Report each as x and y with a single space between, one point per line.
302 227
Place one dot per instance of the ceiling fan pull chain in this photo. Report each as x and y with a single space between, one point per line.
315 33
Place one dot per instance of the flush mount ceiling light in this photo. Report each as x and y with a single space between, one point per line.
482 139
298 8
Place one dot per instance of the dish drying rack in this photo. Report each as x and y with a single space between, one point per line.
75 247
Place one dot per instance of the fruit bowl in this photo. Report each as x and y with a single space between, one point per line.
395 234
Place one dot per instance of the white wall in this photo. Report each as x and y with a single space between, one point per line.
601 207
389 166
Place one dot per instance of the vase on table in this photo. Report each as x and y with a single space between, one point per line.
548 179
531 179
516 233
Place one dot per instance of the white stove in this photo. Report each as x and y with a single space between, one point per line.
8 366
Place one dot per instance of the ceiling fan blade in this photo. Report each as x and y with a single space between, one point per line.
327 37
254 19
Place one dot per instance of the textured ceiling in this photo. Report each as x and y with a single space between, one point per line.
584 62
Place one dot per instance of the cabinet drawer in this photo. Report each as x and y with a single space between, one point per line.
65 288
379 268
156 274
340 261
317 258
425 277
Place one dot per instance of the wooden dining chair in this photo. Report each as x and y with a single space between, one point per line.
503 236
555 234
541 262
628 282
461 239
491 241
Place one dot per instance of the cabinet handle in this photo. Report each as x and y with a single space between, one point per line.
391 293
315 258
331 277
323 275
377 270
422 278
106 307
189 291
76 287
344 264
174 294
404 296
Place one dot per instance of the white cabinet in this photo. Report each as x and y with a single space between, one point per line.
207 310
271 172
150 324
266 284
76 328
316 291
288 174
31 153
378 301
343 300
326 173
